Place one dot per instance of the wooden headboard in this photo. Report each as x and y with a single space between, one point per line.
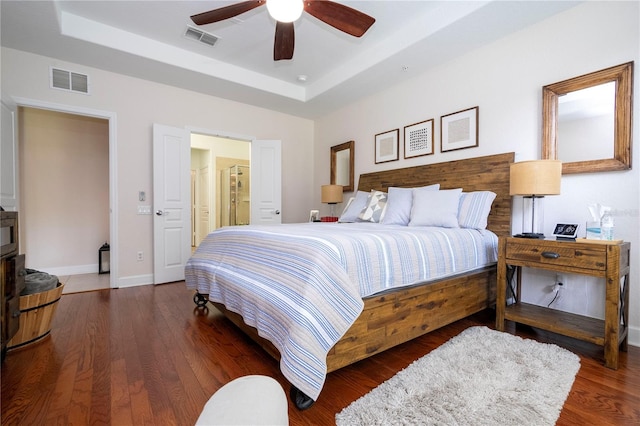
490 173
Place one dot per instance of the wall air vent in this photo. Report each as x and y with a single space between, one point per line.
201 36
70 81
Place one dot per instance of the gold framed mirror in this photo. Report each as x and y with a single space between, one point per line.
342 165
586 121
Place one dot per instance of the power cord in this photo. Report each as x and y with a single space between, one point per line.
556 290
511 271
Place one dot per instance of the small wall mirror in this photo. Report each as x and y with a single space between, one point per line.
342 165
586 121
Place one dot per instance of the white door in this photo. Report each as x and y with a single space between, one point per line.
171 203
8 158
193 208
266 182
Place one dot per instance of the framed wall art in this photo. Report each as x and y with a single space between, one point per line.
387 146
418 139
459 130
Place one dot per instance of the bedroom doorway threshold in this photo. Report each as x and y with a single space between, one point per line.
84 282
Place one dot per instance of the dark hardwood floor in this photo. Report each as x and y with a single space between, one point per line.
146 355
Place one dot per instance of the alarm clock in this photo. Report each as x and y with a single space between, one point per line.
566 231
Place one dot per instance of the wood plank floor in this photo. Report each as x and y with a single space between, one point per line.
146 355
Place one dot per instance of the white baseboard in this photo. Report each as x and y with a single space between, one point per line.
62 271
633 338
135 280
131 281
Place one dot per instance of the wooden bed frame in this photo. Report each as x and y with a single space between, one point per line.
395 317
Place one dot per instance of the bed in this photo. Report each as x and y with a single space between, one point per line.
357 327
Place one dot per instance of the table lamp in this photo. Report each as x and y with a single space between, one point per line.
533 180
331 194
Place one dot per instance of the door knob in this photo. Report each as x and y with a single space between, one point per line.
159 212
277 211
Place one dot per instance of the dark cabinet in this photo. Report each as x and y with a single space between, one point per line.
12 274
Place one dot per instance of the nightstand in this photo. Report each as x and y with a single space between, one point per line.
605 259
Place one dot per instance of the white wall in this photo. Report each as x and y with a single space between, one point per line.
138 104
505 80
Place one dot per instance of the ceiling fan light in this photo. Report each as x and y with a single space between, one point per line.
285 10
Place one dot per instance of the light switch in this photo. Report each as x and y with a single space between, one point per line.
142 196
144 209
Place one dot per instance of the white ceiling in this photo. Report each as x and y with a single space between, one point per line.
145 39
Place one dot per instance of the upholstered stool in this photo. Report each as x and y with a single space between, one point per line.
248 400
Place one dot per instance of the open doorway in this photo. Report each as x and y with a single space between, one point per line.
171 169
220 179
65 186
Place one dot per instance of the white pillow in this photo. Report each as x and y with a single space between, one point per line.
374 208
347 204
435 208
353 209
399 202
474 209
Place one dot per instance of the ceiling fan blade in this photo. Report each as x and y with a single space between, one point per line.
339 16
226 12
284 41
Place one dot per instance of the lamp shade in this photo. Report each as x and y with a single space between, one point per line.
537 177
331 194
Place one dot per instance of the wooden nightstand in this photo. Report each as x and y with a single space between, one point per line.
609 260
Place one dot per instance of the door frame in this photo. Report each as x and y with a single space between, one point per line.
111 117
11 200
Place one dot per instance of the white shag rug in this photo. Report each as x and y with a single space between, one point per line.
480 377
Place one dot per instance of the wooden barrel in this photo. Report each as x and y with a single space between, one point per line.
36 314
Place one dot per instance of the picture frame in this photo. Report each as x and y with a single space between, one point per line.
418 139
386 146
314 216
459 130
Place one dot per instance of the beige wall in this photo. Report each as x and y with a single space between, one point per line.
64 184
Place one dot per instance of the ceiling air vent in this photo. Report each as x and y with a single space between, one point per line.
201 36
71 81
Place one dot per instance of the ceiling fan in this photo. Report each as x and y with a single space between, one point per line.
285 12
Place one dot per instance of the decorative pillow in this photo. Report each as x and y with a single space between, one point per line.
353 209
374 208
399 202
435 208
347 204
474 209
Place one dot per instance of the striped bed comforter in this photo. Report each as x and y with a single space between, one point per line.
301 285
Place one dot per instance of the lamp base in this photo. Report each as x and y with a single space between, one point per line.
533 235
